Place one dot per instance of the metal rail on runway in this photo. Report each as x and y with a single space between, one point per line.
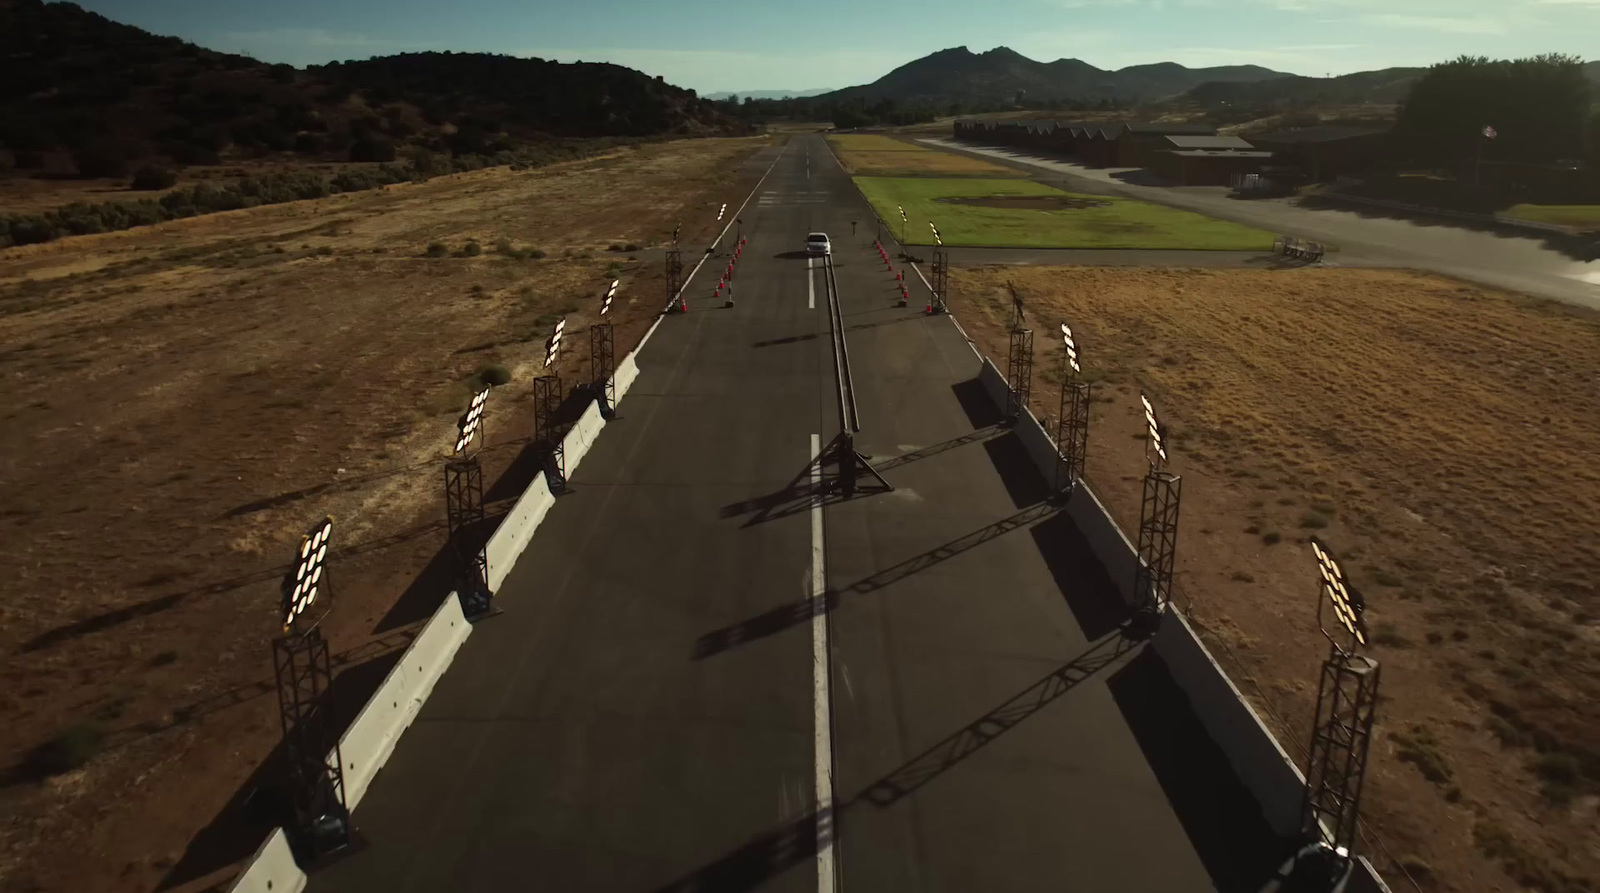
842 450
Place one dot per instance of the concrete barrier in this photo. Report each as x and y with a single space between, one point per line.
1040 445
578 440
272 869
1257 758
623 378
1116 553
1254 753
369 741
994 383
517 528
1365 879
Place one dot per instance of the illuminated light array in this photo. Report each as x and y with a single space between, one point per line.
553 346
301 585
675 230
1157 439
902 213
1348 606
937 239
722 210
605 302
1072 351
467 426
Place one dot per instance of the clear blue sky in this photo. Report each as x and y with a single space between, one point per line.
800 44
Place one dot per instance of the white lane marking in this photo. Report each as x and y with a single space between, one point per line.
822 742
848 689
811 284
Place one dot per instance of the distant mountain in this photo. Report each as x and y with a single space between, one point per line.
1001 74
1388 85
766 94
81 93
1384 86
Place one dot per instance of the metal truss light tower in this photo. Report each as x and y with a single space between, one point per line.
1072 422
546 429
941 273
1347 697
464 512
304 677
603 355
1019 362
675 273
1158 527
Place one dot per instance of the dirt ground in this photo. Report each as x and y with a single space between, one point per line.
1442 438
183 401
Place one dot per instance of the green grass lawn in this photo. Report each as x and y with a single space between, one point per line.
1564 215
1120 223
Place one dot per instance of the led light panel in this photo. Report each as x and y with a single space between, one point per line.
301 585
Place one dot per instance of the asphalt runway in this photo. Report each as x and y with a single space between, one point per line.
709 677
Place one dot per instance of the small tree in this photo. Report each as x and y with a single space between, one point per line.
371 149
101 160
150 178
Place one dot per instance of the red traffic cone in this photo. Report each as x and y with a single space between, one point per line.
929 308
683 305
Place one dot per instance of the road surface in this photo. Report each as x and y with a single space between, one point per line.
708 677
1514 262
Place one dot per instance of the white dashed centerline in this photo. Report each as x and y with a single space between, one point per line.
821 703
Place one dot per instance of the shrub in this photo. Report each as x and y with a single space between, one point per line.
1418 747
633 246
102 160
1313 520
1388 635
68 750
371 148
437 249
504 246
151 178
189 153
536 253
471 249
1272 537
308 143
493 375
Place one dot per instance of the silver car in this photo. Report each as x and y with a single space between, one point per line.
817 243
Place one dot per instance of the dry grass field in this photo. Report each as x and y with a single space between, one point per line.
1442 437
183 400
881 156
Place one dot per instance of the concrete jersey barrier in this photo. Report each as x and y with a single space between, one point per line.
371 738
1253 752
516 529
272 869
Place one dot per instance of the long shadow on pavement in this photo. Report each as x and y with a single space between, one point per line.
974 399
766 856
1022 480
1220 816
794 613
1088 590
